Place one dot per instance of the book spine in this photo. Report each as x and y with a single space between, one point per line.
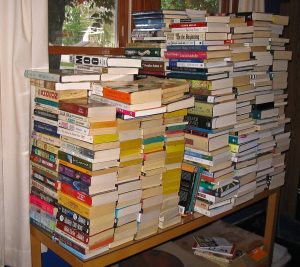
153 65
44 120
43 162
74 121
205 98
184 48
55 141
117 95
44 223
74 174
75 135
75 160
142 52
55 185
186 54
45 206
31 74
46 102
51 174
73 232
69 190
46 94
154 73
71 223
199 121
100 61
110 102
61 238
77 185
190 69
78 149
45 114
45 128
200 84
187 75
43 196
147 21
73 127
42 187
73 204
73 108
72 215
73 116
125 112
44 154
188 24
199 36
43 145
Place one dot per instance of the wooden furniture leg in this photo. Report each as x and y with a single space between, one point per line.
271 220
36 257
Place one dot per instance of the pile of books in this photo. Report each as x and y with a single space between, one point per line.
149 39
198 50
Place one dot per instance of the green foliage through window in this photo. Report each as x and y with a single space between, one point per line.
212 6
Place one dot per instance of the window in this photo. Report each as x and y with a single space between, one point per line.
212 6
86 27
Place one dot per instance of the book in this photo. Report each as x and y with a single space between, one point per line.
61 75
87 107
189 183
212 243
132 93
106 61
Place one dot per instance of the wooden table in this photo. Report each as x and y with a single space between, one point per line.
188 224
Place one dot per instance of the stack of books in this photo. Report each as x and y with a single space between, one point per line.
174 145
88 165
128 183
48 88
149 36
243 136
216 249
279 77
153 132
110 68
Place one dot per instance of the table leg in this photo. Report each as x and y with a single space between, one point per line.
36 256
271 220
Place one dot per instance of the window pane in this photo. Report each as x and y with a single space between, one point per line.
83 23
212 6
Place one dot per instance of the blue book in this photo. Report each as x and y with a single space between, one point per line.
45 128
187 48
196 76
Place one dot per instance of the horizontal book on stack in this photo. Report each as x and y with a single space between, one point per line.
88 173
109 68
48 88
149 36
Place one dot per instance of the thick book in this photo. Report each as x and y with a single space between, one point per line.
87 107
134 93
144 52
61 75
190 180
197 75
198 54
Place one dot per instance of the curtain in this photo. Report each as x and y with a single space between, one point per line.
251 5
23 45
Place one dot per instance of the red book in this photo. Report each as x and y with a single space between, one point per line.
69 190
86 107
186 54
188 24
84 238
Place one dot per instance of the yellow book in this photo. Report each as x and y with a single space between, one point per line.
131 162
150 150
102 124
177 113
127 152
174 143
175 154
153 145
82 208
171 182
234 148
170 190
104 138
176 148
131 143
174 159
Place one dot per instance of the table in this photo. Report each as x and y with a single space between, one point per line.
188 224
